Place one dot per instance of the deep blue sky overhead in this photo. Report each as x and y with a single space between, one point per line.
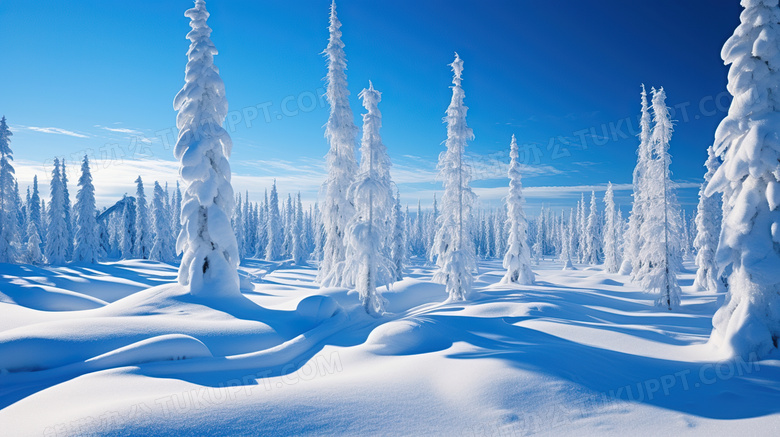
101 75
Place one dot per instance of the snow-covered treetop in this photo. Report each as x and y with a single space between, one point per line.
662 131
750 128
340 128
201 102
457 70
644 134
5 133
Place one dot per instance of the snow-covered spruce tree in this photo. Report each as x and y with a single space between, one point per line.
592 238
238 226
9 208
299 253
87 242
612 259
143 232
162 247
517 259
453 245
341 134
57 232
500 231
398 245
685 237
582 224
748 143
570 240
33 254
176 213
367 265
287 227
633 238
273 250
127 228
431 228
67 211
34 207
708 221
210 261
660 230
104 238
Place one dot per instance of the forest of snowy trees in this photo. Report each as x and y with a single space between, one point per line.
361 234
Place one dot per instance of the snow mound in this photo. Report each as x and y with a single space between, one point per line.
161 348
408 337
316 308
50 299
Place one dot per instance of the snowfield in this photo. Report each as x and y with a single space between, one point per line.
120 349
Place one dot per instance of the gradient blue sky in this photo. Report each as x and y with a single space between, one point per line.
101 76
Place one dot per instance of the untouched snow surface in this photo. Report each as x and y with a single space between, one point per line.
121 349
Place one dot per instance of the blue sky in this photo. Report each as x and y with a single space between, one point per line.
100 76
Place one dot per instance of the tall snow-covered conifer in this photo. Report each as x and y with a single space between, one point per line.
660 230
367 264
341 134
399 238
57 233
299 253
633 237
162 247
453 245
143 233
708 221
67 211
748 142
612 259
9 208
517 259
209 265
592 239
273 250
87 243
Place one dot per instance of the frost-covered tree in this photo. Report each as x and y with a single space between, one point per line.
57 232
210 261
67 211
660 230
127 229
273 250
9 207
431 227
612 226
34 207
582 225
176 213
33 254
238 227
748 143
341 133
592 246
398 243
569 241
517 259
162 247
708 221
299 253
104 237
87 242
367 265
633 237
453 245
143 233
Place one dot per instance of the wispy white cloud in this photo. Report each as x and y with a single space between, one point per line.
52 130
121 130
